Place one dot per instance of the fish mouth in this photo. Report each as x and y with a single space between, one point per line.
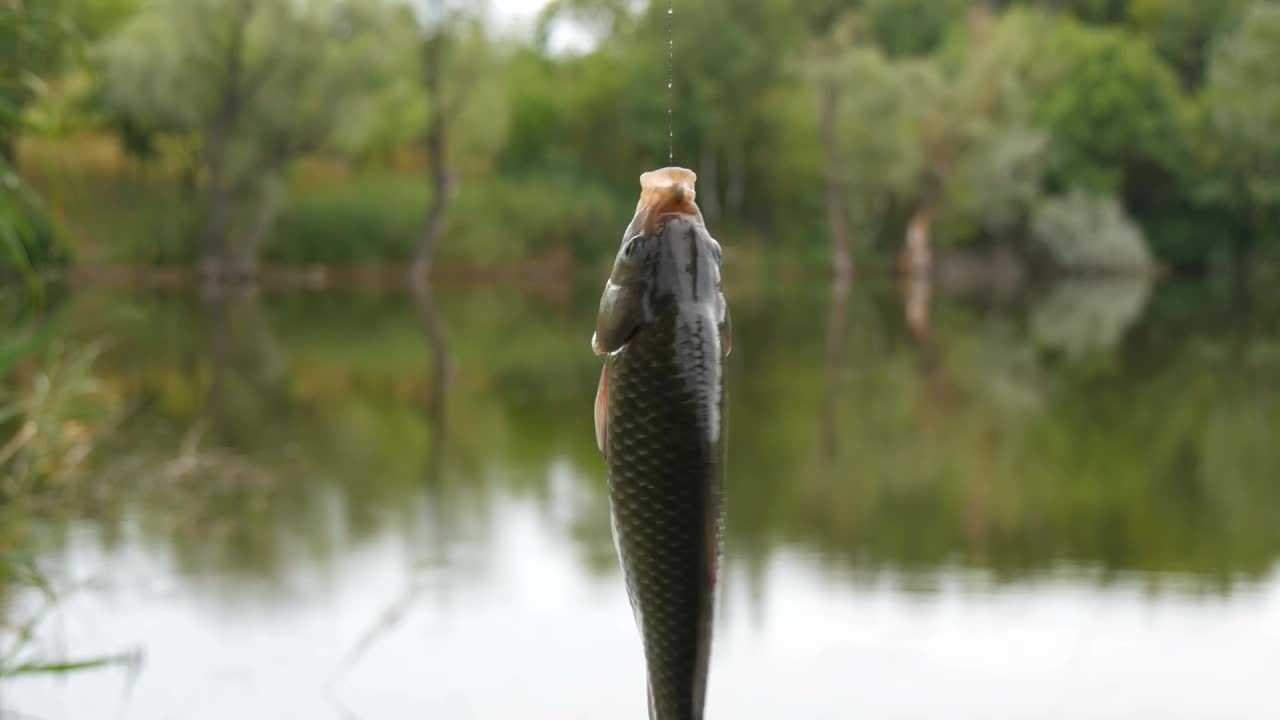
665 192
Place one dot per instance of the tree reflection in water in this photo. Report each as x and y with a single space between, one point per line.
1007 437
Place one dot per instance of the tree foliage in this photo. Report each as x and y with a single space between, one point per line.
28 241
218 72
951 138
953 117
1242 99
38 42
1113 109
913 27
35 41
1183 31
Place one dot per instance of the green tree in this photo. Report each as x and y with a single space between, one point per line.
730 67
1115 114
36 39
39 41
256 84
1101 12
913 27
981 158
1242 103
465 115
731 80
989 157
866 120
1096 12
1183 31
944 138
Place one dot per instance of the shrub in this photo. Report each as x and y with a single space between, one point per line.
28 240
491 221
1084 231
508 218
367 220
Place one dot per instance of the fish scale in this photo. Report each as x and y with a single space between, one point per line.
665 457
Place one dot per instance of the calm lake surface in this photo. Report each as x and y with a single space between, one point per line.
1063 503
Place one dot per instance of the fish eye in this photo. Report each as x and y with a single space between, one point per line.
630 246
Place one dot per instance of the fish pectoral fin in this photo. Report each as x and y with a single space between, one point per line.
622 312
602 408
726 331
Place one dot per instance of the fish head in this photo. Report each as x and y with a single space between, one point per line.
666 257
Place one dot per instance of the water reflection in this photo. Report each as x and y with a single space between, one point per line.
1078 317
433 330
833 370
327 495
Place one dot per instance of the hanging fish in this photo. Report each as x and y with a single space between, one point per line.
663 328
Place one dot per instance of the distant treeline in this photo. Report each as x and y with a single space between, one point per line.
1081 134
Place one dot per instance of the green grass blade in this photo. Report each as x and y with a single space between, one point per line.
67 666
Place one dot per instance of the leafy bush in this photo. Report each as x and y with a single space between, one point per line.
111 210
28 241
171 238
505 218
367 220
1084 231
1242 101
495 220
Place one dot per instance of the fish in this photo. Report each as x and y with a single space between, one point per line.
664 330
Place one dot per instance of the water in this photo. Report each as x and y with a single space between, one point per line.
1061 505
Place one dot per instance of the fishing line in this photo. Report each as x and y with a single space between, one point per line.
671 52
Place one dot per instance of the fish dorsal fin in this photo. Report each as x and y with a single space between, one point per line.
602 409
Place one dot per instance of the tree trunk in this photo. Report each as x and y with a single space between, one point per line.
837 220
437 342
188 181
218 203
916 290
828 411
441 192
837 213
217 351
217 140
438 168
916 260
244 263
